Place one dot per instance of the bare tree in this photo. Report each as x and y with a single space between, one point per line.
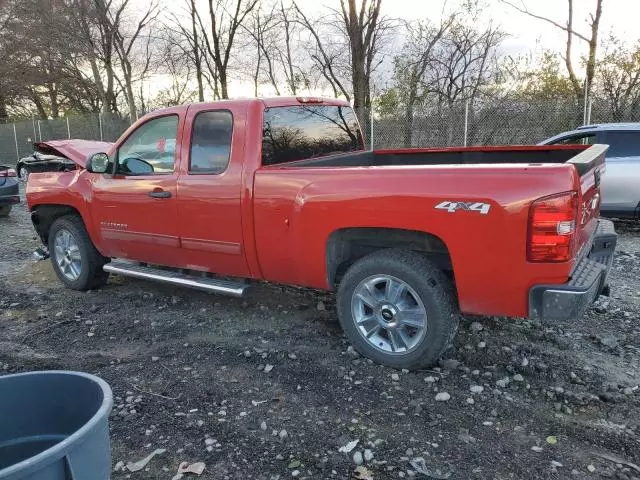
264 33
42 68
363 31
619 79
411 67
591 39
181 71
196 49
11 57
96 39
179 32
288 29
124 42
364 27
327 57
225 18
464 61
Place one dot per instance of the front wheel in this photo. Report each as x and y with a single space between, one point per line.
5 210
398 309
74 257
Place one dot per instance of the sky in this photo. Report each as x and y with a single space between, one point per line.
525 34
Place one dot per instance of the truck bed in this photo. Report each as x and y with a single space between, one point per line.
524 154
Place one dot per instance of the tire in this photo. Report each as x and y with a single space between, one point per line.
428 295
5 210
80 251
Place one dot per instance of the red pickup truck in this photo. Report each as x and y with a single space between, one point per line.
217 195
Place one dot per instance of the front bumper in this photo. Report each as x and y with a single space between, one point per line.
589 279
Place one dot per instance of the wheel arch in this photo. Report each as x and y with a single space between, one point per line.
346 246
43 216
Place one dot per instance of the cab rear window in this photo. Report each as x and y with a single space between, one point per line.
308 131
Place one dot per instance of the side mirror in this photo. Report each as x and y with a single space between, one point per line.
135 166
98 163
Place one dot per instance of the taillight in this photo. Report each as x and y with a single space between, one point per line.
8 173
552 228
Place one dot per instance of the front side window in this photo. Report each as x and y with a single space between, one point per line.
211 142
622 144
308 131
150 149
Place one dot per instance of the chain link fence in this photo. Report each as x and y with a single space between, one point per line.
495 122
17 139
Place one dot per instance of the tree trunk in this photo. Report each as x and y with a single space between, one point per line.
199 80
53 99
256 73
42 113
4 117
131 102
287 39
223 84
362 29
593 47
409 112
128 85
577 88
196 52
98 82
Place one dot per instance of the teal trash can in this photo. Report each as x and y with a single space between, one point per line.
54 426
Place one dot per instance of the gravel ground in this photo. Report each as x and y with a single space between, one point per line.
268 388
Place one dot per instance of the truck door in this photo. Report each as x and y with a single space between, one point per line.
209 190
135 209
620 187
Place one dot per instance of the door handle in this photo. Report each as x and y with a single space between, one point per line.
160 194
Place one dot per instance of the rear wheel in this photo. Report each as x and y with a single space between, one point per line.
5 210
74 257
398 308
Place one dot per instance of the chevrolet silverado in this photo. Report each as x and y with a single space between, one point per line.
215 196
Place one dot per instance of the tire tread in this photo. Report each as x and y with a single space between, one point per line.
431 281
95 261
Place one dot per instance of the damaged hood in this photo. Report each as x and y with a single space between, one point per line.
78 151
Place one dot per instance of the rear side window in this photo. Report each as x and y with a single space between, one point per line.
308 131
583 139
622 144
211 142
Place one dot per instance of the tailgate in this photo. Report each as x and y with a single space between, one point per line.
590 165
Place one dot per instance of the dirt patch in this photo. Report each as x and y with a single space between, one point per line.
268 388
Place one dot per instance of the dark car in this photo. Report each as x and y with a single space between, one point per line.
9 190
39 161
621 184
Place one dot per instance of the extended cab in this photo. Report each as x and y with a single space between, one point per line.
217 195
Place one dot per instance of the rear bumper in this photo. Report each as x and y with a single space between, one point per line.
569 301
10 192
617 211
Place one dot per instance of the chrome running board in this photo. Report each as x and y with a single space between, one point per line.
175 277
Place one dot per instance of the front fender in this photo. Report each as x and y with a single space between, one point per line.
51 195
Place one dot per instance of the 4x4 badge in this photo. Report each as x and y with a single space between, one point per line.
452 207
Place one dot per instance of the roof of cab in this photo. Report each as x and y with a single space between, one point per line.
268 102
611 126
596 127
